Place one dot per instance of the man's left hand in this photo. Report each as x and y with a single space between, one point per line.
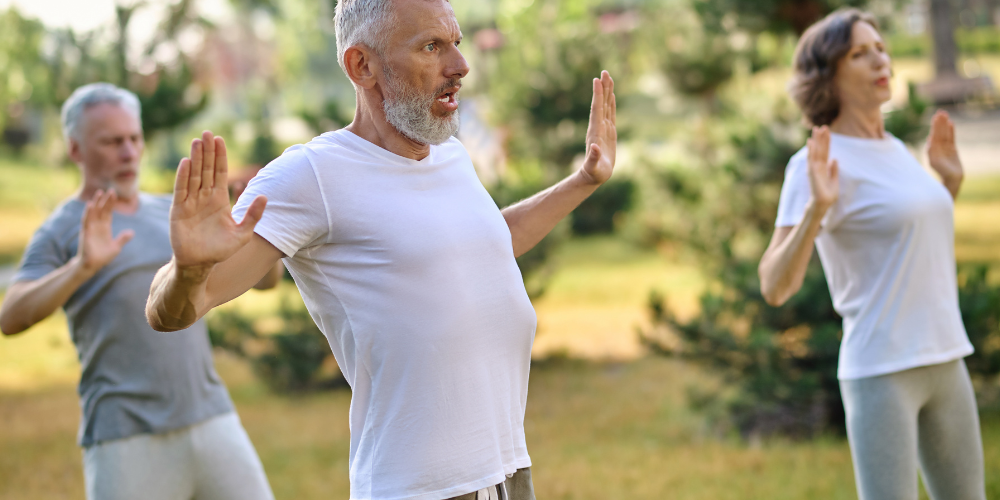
602 136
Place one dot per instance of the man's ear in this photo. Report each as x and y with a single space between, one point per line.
360 64
74 151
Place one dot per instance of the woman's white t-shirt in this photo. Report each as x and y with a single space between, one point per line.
408 268
888 250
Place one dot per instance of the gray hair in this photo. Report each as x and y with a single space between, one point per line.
91 95
362 21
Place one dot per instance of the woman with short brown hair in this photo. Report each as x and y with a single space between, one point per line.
884 231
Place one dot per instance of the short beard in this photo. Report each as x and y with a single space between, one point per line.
410 113
126 191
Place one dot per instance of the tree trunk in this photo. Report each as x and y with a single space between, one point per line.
124 16
945 49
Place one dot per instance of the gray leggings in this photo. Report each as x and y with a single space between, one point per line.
926 415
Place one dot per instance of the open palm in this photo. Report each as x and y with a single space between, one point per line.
602 135
942 153
98 247
202 229
824 174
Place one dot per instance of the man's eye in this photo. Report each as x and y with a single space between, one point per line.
430 46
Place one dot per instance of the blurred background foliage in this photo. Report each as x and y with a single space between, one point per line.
705 131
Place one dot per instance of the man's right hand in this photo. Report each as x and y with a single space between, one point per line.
97 245
202 229
824 174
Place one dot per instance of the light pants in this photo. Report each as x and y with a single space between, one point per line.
925 415
211 460
516 487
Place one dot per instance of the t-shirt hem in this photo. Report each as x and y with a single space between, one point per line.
887 368
462 489
217 412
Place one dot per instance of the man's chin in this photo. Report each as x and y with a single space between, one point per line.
126 191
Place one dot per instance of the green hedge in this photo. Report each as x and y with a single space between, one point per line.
975 41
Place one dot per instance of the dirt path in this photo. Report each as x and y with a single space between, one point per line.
979 142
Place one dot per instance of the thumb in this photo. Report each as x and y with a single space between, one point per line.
834 170
253 214
124 237
593 156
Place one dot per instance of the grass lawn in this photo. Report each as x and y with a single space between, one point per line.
596 431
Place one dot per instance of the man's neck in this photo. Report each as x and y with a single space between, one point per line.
127 206
371 125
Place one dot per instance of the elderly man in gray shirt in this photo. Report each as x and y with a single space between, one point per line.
157 422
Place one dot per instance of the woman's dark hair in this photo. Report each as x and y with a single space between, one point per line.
815 63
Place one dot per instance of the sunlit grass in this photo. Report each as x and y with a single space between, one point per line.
595 432
43 356
597 298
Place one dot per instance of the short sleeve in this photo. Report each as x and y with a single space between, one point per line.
42 256
295 216
795 191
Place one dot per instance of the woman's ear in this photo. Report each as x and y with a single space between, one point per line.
359 61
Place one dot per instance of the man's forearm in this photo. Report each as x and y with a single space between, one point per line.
27 303
272 278
177 297
531 219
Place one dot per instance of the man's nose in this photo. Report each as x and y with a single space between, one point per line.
457 67
129 150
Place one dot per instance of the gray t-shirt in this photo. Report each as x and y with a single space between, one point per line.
135 380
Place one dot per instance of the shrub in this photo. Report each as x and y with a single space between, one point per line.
782 361
597 213
296 358
908 123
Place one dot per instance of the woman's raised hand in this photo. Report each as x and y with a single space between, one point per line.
942 153
824 174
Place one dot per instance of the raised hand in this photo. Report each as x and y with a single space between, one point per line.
824 173
602 136
97 246
202 230
942 153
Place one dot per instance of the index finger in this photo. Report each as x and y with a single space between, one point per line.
181 181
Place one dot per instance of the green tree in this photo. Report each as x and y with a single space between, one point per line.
775 16
24 79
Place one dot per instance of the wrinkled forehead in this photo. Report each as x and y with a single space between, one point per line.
109 119
417 20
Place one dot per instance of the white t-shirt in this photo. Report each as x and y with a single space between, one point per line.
408 269
888 250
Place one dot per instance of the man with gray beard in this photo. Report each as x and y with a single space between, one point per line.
156 420
402 258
